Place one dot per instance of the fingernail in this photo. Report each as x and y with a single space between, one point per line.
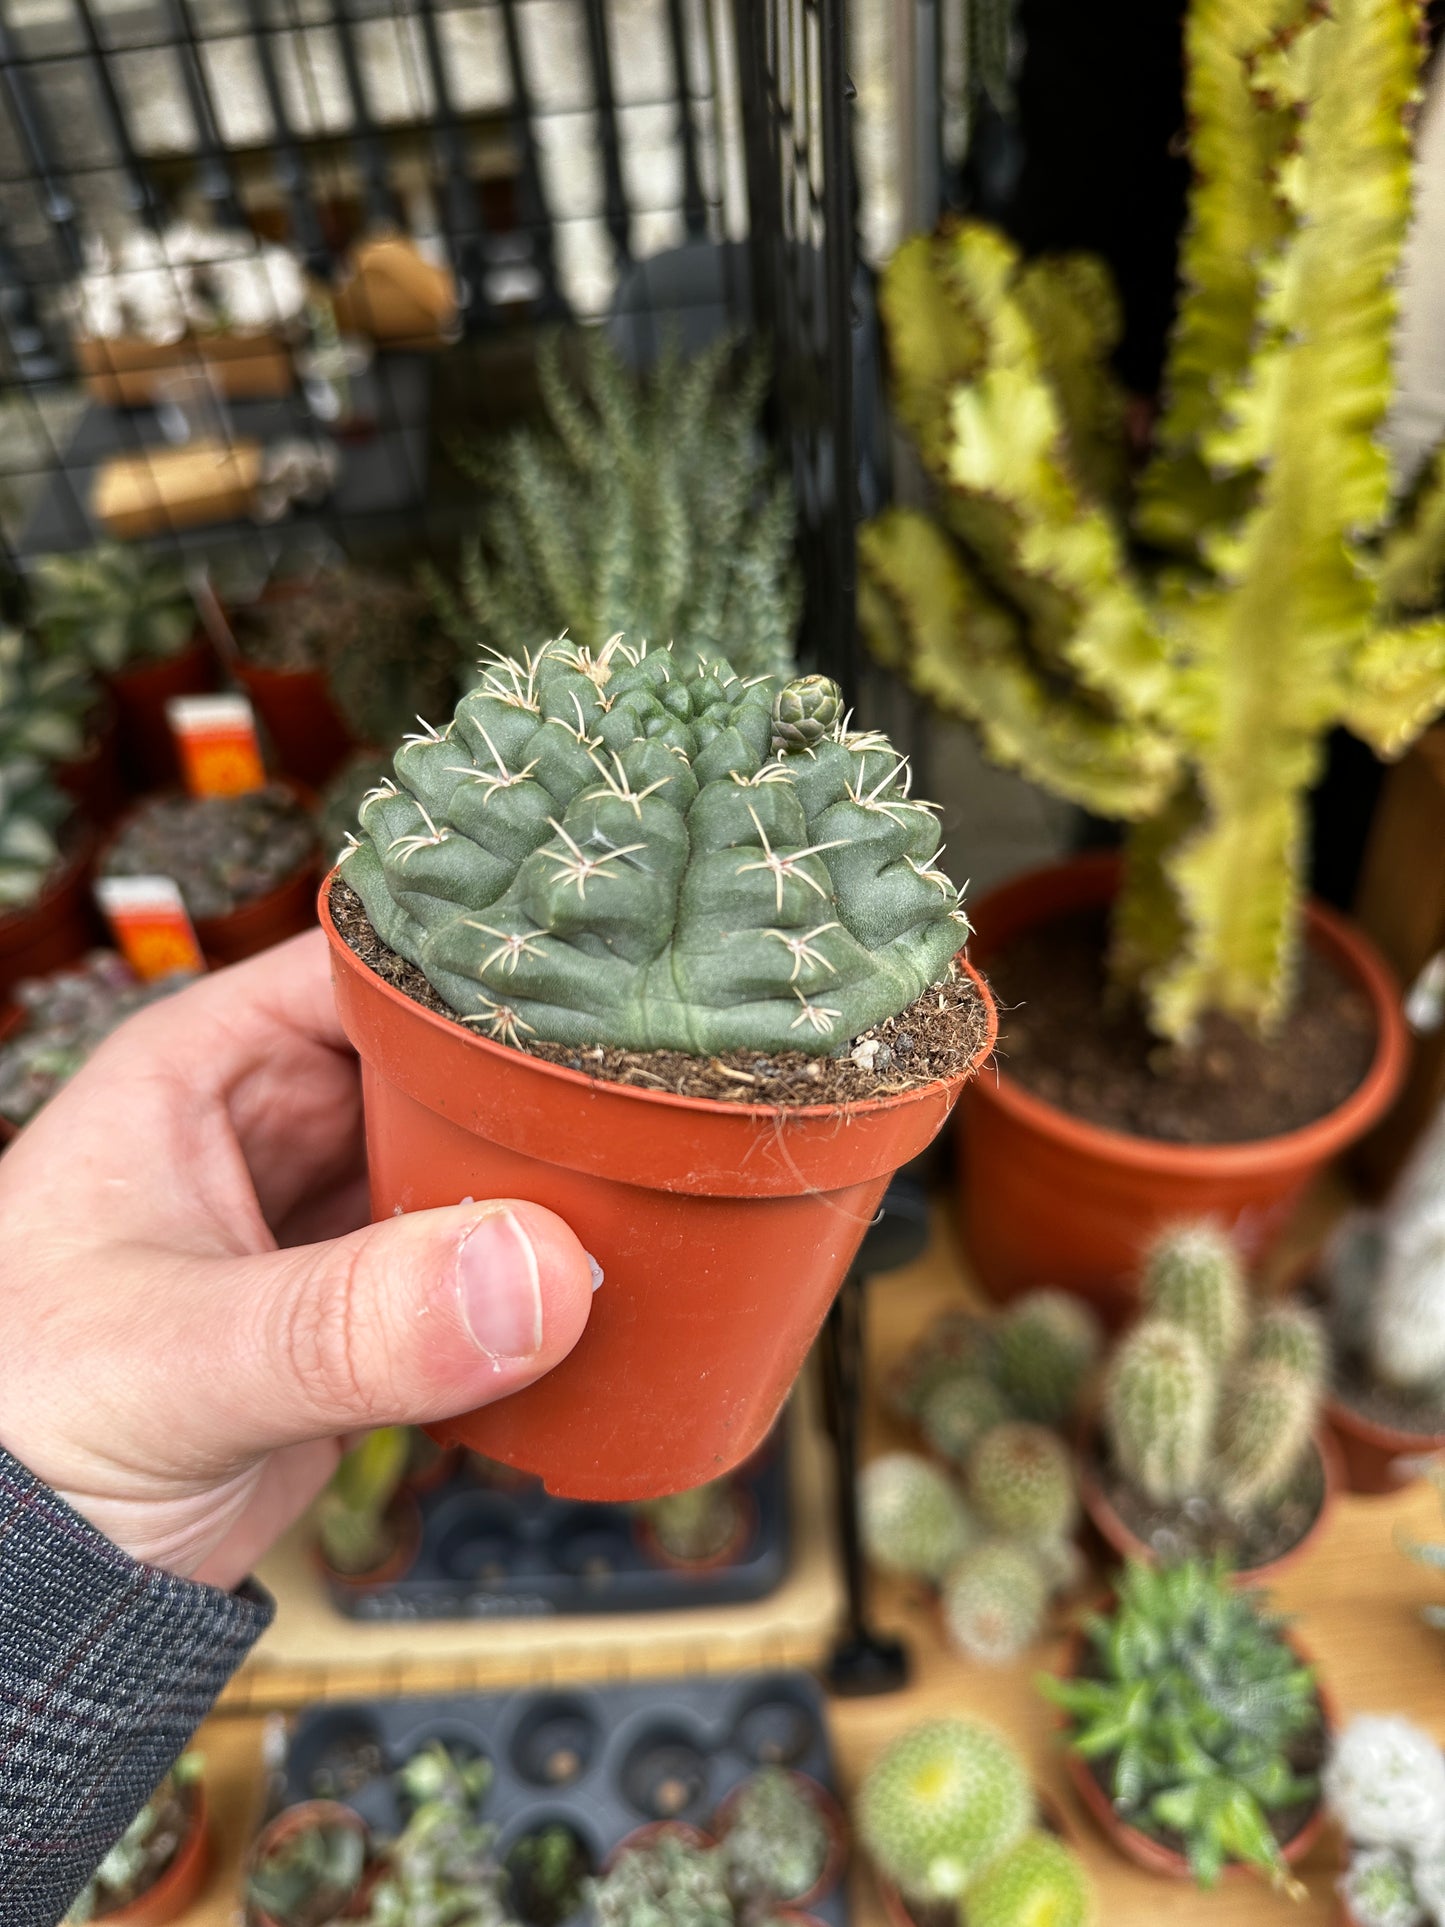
500 1288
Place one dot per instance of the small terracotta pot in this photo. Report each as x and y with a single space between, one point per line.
93 779
312 742
300 1818
828 1811
397 1563
1050 1199
723 1231
1151 1854
170 1896
745 1524
1374 1455
1112 1528
59 927
147 751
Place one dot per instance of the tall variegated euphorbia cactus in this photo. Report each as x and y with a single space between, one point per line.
1178 662
637 849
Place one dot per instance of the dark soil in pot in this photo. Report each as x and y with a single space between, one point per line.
223 851
546 1873
1067 1037
936 1037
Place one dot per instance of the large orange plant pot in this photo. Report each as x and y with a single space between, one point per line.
1051 1200
723 1231
312 742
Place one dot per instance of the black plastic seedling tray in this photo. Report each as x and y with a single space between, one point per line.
516 1552
602 1761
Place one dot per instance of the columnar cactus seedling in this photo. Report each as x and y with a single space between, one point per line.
1048 1344
352 1513
1265 1426
946 1800
913 1521
1291 1337
777 1842
1021 1482
957 1413
1038 1883
1193 1277
695 1525
1379 1889
1159 1411
994 1600
617 849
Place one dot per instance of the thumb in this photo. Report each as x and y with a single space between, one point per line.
407 1321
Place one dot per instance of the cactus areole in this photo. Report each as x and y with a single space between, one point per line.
638 850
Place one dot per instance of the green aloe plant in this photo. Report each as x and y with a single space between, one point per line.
1177 662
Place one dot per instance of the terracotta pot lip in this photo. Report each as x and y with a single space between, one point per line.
698 1106
1359 960
1109 1522
177 1873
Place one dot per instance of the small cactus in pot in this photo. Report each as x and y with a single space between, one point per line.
667 1881
699 1526
113 605
945 1801
994 1599
307 1866
33 817
1385 1785
1048 1346
775 1839
1040 1882
356 1528
1021 1482
913 1519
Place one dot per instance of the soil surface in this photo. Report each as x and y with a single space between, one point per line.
936 1037
1198 1527
1068 1037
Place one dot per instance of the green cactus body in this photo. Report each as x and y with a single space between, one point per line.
913 1521
1192 1277
777 1842
1021 1482
994 1600
1380 1889
1159 1410
957 1413
1265 1428
1293 1338
957 1344
605 851
1048 1344
1038 1883
942 1803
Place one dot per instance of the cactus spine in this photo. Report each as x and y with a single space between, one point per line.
1193 1278
607 850
1021 1482
994 1600
1038 1883
913 1521
942 1803
1159 1411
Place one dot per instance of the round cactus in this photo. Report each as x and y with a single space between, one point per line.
913 1520
1048 1343
1385 1784
807 710
944 1802
956 1344
1159 1408
994 1600
1038 1883
1021 1482
1192 1277
1294 1339
1265 1427
957 1413
604 850
1380 1891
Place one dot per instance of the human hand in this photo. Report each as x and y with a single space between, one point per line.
191 1320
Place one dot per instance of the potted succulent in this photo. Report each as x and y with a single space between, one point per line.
368 1531
1195 1730
132 617
672 1877
700 1529
308 1867
1385 1786
245 865
1209 1436
547 1874
649 507
53 709
443 1866
948 1818
998 1552
46 918
782 1840
158 1866
1383 1288
1174 656
670 954
62 1018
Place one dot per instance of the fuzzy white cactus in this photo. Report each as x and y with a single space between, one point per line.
1407 1317
1385 1783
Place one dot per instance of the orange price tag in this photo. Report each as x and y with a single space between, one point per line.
149 923
216 739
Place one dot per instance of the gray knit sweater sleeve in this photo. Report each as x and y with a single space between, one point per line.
106 1669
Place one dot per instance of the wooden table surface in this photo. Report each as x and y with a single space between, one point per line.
1356 1598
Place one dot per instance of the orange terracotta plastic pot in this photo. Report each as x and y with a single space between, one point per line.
723 1231
1376 1457
93 779
397 1563
303 1817
643 1836
147 751
170 1896
311 740
264 921
1049 1199
1122 1540
54 930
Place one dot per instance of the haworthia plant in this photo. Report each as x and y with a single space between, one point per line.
1190 693
637 849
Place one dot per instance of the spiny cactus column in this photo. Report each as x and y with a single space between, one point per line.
1265 1426
1048 1344
1193 1277
1159 1408
637 849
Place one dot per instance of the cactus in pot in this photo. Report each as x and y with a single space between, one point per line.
1048 1346
664 1882
1037 1883
777 1843
994 1599
113 606
912 1518
1186 687
307 1875
1385 1785
354 1525
958 1412
1159 1410
945 1801
696 1526
618 849
1193 1279
1021 1482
